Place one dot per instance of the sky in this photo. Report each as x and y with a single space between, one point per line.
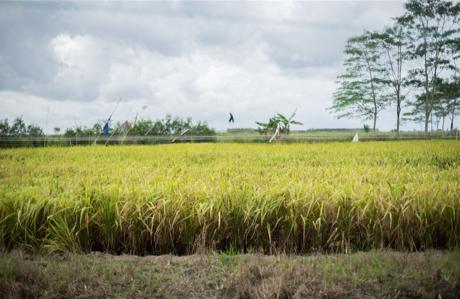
64 64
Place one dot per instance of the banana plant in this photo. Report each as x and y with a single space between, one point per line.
278 123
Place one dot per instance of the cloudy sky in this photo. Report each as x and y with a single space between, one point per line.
69 63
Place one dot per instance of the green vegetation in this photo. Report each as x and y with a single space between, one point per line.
273 198
168 126
279 123
18 128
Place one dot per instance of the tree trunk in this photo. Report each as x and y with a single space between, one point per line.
375 122
374 98
398 114
427 122
427 91
443 120
375 108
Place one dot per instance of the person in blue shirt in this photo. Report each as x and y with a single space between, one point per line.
106 129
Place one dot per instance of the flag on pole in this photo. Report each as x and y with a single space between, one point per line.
356 138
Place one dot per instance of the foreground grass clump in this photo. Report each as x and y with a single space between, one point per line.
188 197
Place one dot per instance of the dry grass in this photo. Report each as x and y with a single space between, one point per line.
375 274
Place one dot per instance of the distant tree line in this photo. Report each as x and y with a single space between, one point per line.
412 65
352 130
95 130
146 127
18 128
162 127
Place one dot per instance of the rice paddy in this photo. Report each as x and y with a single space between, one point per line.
186 198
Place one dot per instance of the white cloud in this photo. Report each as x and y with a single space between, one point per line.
184 58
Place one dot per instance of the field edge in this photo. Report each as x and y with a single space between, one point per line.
370 274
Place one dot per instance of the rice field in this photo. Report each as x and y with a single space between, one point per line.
271 198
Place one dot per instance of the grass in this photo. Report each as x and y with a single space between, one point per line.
374 274
187 198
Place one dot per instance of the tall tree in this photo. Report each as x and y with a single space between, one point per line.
453 90
393 42
441 107
450 100
360 89
432 25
